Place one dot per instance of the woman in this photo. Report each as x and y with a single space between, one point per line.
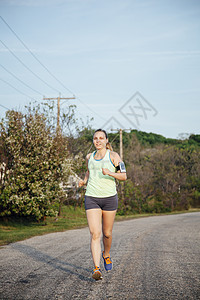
101 199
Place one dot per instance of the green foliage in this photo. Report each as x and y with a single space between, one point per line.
33 157
152 139
36 160
14 229
163 174
194 139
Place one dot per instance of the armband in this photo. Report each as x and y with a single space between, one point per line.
121 167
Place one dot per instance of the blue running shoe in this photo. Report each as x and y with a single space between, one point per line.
107 262
97 273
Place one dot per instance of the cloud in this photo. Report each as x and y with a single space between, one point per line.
32 3
40 3
169 53
128 57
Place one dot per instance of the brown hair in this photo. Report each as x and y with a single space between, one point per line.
108 145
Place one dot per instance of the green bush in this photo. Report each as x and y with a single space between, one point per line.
34 157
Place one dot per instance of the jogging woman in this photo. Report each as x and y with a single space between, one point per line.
101 201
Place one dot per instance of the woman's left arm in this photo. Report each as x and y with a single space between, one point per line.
116 160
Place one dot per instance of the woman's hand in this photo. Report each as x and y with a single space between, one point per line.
105 171
81 183
118 176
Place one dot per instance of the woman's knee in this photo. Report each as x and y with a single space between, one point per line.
95 235
107 234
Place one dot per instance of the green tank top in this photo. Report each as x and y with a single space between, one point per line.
100 185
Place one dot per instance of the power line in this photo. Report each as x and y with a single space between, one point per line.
47 83
94 112
4 107
45 69
35 56
28 67
17 89
20 80
121 140
114 138
58 108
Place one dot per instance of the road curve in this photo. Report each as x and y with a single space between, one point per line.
153 258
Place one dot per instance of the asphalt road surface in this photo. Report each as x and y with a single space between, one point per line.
153 258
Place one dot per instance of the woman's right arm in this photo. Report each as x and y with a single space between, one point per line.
83 182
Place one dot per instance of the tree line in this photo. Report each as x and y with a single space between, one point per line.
36 161
163 174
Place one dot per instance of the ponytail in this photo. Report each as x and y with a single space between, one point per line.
108 146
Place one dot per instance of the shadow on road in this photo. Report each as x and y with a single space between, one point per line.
53 262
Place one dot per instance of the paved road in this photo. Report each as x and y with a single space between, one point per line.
154 258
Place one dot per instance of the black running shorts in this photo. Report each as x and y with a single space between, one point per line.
107 203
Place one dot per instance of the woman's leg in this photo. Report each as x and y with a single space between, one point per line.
94 217
108 218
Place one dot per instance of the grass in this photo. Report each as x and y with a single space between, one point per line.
13 231
17 230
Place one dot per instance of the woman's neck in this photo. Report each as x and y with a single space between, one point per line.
100 153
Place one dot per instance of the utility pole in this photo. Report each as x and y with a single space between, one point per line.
120 140
121 143
121 155
58 109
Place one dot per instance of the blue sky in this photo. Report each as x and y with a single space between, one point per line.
107 53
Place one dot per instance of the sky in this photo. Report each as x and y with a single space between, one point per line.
131 64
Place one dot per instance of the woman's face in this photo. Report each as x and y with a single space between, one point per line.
100 140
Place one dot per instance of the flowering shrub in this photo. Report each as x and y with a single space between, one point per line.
33 158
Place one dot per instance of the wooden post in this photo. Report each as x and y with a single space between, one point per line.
121 144
58 109
58 115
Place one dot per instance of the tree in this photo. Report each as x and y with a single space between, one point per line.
34 158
